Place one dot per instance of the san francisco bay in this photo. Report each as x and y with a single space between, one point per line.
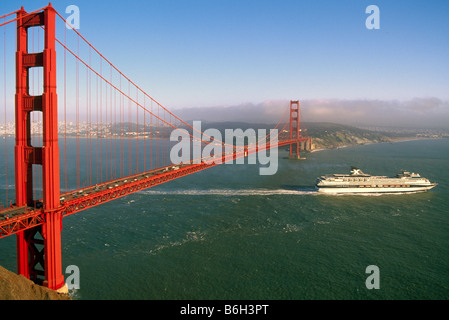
230 233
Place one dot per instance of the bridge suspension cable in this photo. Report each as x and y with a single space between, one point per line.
117 84
109 127
115 137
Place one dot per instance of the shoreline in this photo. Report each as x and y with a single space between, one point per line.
136 137
392 140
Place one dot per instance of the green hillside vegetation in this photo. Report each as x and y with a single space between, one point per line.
324 135
331 135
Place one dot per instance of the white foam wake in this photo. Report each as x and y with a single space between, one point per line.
231 192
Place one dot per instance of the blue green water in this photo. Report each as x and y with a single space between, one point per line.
229 233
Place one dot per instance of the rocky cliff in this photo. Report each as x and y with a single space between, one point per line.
17 287
332 135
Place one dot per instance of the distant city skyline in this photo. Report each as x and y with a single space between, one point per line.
226 55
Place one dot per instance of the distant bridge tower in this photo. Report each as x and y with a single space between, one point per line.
303 143
294 129
38 248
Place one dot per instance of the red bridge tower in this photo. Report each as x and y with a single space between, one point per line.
294 128
296 133
38 248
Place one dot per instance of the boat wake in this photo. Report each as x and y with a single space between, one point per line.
233 192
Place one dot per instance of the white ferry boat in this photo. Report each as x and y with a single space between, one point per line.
359 182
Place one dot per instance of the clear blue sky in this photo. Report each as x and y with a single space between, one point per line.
227 52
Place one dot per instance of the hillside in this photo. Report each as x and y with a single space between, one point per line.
325 135
332 135
17 287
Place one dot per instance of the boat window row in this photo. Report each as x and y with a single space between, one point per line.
384 186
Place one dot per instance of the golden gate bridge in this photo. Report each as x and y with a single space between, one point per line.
113 137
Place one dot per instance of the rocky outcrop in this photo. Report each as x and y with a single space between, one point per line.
17 287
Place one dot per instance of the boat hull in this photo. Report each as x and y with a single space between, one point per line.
335 190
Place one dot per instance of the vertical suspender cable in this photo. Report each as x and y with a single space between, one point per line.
86 140
77 121
101 125
110 126
164 143
137 129
121 130
151 136
90 120
129 131
115 134
106 131
157 139
65 114
98 131
144 135
4 103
